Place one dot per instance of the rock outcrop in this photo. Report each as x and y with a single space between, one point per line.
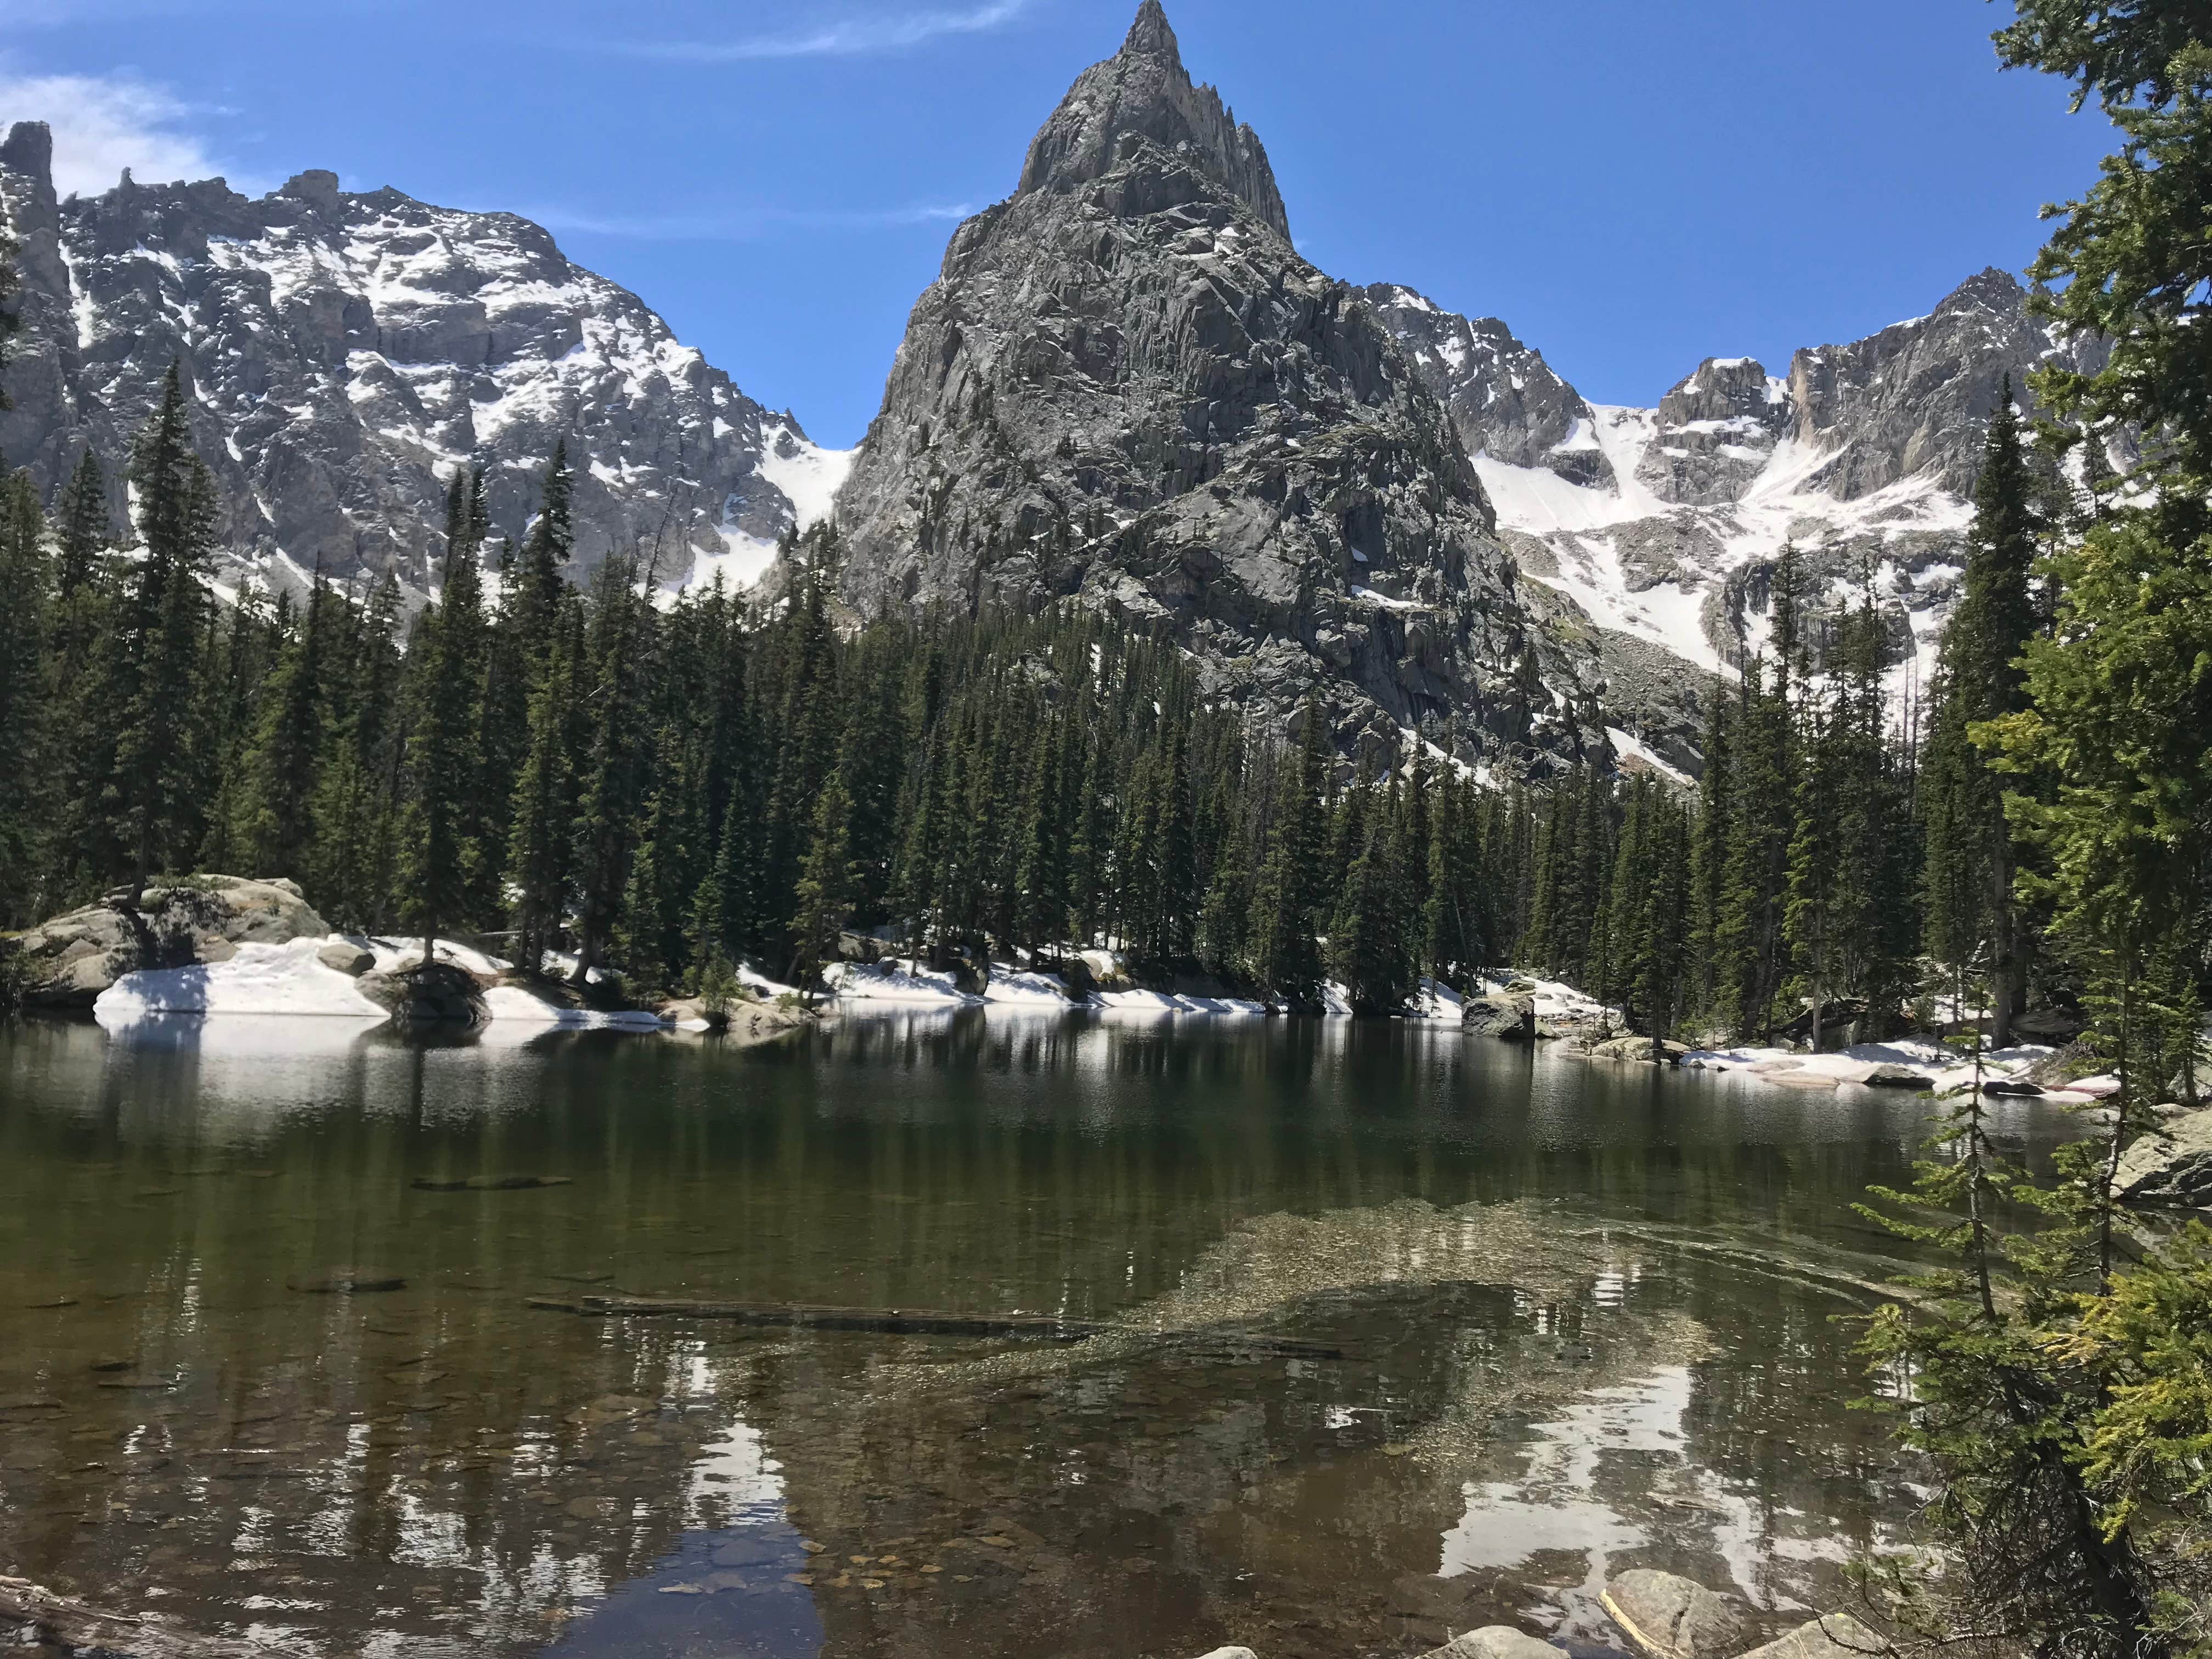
1670 1617
69 960
1505 400
1832 1636
344 352
1494 1642
1126 385
2172 1165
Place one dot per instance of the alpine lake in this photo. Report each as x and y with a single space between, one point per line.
1408 1332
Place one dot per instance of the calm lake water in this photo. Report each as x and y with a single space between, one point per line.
1561 1317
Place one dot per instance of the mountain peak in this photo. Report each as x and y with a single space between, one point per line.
1150 36
1144 95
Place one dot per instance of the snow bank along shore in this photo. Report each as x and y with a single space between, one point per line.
322 977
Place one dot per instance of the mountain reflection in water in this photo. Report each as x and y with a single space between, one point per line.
1583 1317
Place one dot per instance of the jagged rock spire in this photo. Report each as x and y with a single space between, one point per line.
1143 92
1151 36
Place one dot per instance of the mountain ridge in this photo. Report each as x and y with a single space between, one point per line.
345 350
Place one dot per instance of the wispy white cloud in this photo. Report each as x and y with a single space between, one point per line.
849 37
104 123
747 225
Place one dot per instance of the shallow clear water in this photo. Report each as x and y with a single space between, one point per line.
1558 1317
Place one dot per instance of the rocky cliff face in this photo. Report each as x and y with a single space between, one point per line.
346 352
1863 457
1505 399
1126 385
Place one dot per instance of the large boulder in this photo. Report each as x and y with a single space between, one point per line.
439 994
1500 1015
1832 1636
2172 1165
1670 1617
69 960
1494 1642
1638 1048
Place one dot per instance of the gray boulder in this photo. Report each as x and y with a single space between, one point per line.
1832 1636
69 960
1638 1048
2171 1166
347 958
1494 1642
439 994
1512 1018
1670 1617
1896 1076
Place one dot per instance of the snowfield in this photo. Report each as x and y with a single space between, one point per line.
261 979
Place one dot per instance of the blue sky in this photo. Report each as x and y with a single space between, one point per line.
1632 185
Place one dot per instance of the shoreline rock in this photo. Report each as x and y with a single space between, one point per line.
1670 1617
69 960
2172 1165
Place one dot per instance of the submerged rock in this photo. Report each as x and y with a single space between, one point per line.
348 1281
2172 1165
1670 1617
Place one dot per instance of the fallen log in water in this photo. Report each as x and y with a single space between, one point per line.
904 1321
57 1618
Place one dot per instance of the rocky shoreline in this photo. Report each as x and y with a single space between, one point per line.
1662 1615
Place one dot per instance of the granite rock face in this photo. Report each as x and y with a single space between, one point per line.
346 352
2171 1166
70 959
1505 400
1126 386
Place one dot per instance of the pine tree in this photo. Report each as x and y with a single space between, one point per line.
280 762
1970 861
440 856
1749 946
1290 888
541 816
146 811
823 897
611 776
26 698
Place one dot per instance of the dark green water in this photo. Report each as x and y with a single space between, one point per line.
1582 1316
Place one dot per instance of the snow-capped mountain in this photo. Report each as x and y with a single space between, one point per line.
1664 524
344 350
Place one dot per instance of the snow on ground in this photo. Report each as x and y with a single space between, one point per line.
393 955
514 1003
1940 1064
809 475
261 979
1173 1002
1029 990
1630 748
1785 502
767 989
1436 1000
895 981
